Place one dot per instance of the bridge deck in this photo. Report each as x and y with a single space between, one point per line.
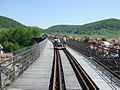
98 80
37 76
71 81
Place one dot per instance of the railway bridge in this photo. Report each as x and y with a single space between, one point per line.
41 67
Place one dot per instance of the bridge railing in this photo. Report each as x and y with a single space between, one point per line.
16 65
106 57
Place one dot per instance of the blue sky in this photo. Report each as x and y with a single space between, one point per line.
46 13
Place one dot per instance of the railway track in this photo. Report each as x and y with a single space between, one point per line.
111 64
57 81
57 77
84 80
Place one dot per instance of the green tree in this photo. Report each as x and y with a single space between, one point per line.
104 39
8 46
9 23
87 39
36 31
16 38
44 35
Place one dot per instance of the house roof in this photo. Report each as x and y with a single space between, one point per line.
1 47
6 56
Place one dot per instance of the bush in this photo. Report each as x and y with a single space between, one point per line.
104 39
17 38
87 39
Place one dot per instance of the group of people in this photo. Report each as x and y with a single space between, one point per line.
60 42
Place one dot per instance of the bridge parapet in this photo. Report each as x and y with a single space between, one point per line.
106 59
16 65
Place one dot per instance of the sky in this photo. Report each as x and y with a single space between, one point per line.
46 13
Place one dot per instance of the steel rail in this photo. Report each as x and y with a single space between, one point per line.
61 80
112 65
84 80
57 77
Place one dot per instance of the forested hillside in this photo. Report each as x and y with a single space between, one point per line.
63 29
14 35
108 24
103 28
9 23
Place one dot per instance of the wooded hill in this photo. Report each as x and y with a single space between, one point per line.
107 27
9 23
14 35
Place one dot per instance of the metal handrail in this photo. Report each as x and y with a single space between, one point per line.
99 56
16 65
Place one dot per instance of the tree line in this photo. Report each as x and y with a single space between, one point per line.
17 38
105 28
9 23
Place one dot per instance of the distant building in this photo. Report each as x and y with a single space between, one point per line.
98 39
50 35
116 41
77 38
106 43
100 42
93 41
113 41
4 56
70 37
1 49
83 38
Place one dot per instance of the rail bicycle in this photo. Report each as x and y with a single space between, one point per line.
59 44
